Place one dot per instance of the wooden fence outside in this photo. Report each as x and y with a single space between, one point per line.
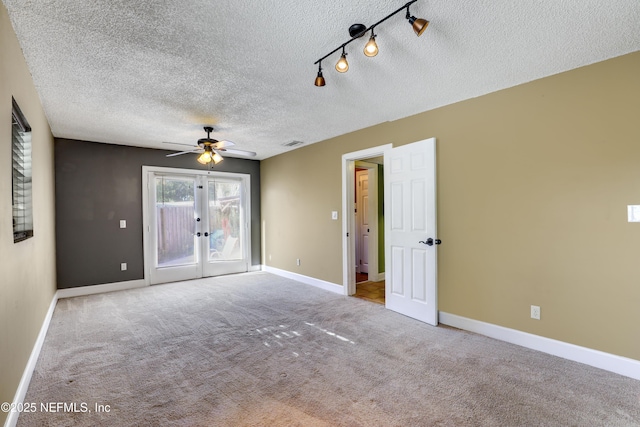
176 227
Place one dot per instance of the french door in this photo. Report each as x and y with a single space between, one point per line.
196 224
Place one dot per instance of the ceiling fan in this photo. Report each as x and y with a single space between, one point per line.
210 149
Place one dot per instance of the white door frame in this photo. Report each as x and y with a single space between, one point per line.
348 219
146 232
372 177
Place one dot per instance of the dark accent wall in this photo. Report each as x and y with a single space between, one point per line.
97 185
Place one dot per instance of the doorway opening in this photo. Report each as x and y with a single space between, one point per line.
368 222
363 224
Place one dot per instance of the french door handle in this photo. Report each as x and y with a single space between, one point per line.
206 234
198 234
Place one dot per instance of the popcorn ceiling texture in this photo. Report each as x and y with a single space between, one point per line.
147 71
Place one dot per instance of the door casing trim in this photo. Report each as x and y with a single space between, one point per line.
348 220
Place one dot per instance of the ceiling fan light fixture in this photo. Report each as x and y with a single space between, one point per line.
217 158
206 157
208 149
371 48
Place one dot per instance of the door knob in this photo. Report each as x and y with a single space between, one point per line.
430 241
198 234
206 234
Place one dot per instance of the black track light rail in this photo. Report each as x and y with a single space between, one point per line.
342 46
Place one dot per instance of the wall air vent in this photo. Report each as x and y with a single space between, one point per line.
293 143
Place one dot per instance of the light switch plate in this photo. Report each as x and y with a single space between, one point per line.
633 213
334 214
123 223
123 266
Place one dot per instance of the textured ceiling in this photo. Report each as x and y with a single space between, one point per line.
147 71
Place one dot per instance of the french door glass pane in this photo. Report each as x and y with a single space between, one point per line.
224 221
175 207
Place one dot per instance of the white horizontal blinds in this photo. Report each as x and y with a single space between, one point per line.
21 176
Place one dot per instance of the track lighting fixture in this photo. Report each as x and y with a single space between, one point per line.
319 79
356 31
371 48
342 66
419 25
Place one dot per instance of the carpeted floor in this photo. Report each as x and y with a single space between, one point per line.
260 350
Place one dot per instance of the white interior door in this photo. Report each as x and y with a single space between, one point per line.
410 231
362 220
196 224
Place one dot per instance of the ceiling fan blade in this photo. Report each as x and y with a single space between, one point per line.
223 144
179 143
238 152
181 153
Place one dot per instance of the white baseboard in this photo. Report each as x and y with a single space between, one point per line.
609 362
21 392
99 289
376 277
327 286
255 267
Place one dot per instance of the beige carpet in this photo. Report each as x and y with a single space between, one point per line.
260 350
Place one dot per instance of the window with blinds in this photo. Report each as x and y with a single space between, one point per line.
21 169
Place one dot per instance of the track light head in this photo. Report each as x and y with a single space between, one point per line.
319 80
418 24
342 66
371 48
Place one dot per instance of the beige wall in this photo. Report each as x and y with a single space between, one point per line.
27 269
533 187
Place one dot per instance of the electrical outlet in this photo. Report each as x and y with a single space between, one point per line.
535 312
123 266
298 261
